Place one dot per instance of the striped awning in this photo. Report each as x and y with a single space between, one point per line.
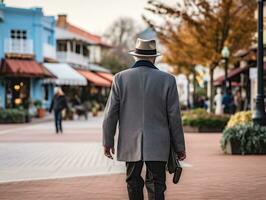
106 76
23 67
65 74
94 78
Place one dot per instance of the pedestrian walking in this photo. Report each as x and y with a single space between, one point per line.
228 102
58 104
218 102
144 100
238 101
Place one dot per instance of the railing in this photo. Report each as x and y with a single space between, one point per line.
20 46
49 51
70 57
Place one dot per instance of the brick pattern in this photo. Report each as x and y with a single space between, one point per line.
212 175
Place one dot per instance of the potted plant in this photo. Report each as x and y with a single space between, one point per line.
247 138
40 109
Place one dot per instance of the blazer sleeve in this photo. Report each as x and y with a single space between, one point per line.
175 118
111 115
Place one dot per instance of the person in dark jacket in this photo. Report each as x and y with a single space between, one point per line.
58 104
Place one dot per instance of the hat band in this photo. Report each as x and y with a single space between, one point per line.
145 52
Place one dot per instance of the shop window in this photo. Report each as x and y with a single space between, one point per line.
17 95
18 34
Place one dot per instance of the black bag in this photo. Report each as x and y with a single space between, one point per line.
174 166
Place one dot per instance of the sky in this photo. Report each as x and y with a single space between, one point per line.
92 15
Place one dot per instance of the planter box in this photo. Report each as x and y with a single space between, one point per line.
195 129
20 121
233 148
41 112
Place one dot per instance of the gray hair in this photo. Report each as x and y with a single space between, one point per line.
151 59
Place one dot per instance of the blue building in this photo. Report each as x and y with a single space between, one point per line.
27 39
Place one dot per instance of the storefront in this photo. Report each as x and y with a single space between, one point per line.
22 82
98 87
17 92
68 79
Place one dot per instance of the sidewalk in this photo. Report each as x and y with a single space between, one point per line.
209 176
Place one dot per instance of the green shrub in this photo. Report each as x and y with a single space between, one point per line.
12 116
38 104
250 137
201 118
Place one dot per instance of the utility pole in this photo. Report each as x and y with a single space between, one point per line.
259 116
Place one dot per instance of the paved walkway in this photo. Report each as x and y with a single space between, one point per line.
208 174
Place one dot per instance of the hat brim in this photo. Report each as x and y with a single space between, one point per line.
133 53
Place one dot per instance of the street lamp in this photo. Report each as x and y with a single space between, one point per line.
259 116
226 54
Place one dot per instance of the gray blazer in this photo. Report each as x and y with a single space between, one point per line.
144 102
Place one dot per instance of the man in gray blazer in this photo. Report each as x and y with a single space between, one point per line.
144 102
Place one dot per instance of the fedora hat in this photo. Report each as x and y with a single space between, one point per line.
145 48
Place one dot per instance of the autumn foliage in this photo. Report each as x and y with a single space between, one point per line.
195 31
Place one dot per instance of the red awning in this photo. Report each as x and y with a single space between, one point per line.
106 76
94 78
26 68
231 74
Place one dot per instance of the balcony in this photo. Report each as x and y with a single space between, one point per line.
49 51
71 57
19 46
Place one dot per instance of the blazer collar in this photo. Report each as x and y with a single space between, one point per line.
144 63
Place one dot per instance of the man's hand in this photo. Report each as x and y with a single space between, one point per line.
108 151
181 155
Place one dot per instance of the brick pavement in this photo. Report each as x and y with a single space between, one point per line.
212 175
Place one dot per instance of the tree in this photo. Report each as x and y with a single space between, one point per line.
122 35
202 28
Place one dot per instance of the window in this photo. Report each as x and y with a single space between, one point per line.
78 48
61 46
18 34
85 51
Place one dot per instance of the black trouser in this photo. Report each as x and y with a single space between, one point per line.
155 180
58 121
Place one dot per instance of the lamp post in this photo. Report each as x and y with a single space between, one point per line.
226 54
259 116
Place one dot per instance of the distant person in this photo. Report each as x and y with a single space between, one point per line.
218 99
206 103
228 102
145 102
238 101
59 103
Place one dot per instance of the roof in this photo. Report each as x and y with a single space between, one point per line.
94 78
231 74
25 68
73 32
65 74
91 37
